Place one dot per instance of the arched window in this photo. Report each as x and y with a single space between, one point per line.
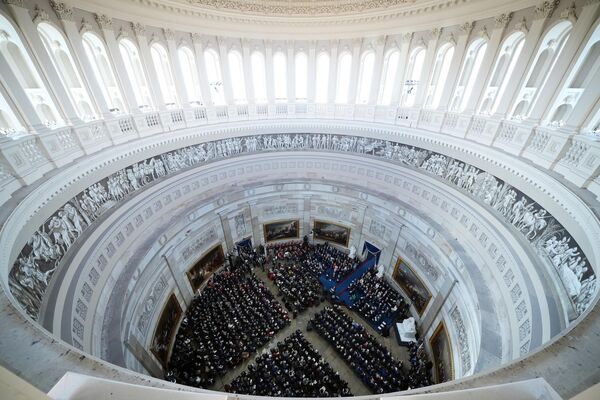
443 59
322 78
213 75
280 76
344 69
59 52
98 58
259 82
135 73
415 69
161 62
8 120
468 75
546 56
189 74
236 72
502 72
301 75
21 65
580 77
388 80
365 77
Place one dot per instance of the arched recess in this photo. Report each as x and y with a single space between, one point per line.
413 76
236 73
581 76
301 76
259 81
63 61
365 76
389 76
502 72
322 78
468 74
14 51
213 76
136 74
280 75
166 82
344 69
443 59
103 71
547 54
189 72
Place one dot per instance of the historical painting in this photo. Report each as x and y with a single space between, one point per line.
205 266
279 230
441 355
412 285
165 330
331 232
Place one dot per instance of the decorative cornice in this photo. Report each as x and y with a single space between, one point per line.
40 15
62 10
86 26
450 39
435 33
169 34
138 29
196 38
407 37
467 27
502 20
522 26
16 3
546 9
104 21
569 13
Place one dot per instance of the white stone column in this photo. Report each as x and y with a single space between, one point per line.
269 70
459 52
377 70
54 82
201 66
333 61
30 118
483 75
79 52
121 72
312 68
428 63
176 70
246 60
356 46
525 58
291 72
402 61
148 65
555 80
225 75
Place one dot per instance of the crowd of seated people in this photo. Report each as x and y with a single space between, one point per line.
337 263
420 366
297 286
370 360
377 301
293 368
230 319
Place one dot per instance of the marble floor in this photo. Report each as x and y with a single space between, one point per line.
322 346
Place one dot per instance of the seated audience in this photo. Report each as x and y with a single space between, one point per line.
420 366
293 368
299 289
230 319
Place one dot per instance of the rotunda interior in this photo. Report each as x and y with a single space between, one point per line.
318 198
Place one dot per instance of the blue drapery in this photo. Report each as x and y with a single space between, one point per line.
372 251
244 244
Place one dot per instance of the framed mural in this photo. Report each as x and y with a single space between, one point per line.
412 285
331 232
279 230
441 355
165 330
205 266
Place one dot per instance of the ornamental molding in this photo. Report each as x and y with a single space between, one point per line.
522 26
16 3
502 20
546 9
196 38
407 37
40 15
569 13
483 33
138 28
62 10
104 21
122 34
435 33
86 26
169 34
466 27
